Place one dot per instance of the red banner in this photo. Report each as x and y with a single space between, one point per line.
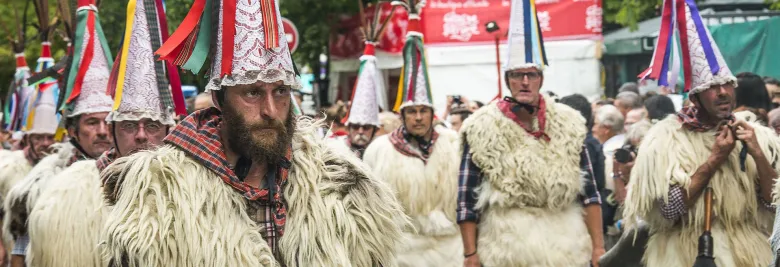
348 42
463 21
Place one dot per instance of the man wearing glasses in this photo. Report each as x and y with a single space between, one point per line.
66 221
527 194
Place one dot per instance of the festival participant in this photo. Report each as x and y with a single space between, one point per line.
528 196
245 179
419 160
705 147
65 223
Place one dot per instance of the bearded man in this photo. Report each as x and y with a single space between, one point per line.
65 223
527 192
272 190
705 147
420 163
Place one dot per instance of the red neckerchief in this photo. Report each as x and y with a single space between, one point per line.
400 144
106 159
688 116
198 136
338 133
541 117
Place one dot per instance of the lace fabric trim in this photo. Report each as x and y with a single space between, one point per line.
250 77
115 116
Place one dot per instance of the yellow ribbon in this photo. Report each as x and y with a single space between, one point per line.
120 81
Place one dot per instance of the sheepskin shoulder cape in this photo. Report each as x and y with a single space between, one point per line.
171 211
22 196
670 155
13 167
428 194
529 189
65 223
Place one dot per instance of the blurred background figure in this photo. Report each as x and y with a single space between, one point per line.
659 107
752 96
634 116
203 100
627 101
334 116
388 121
774 120
457 117
629 87
773 89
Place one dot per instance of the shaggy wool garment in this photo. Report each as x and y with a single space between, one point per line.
171 211
428 194
670 155
528 198
22 197
13 167
65 223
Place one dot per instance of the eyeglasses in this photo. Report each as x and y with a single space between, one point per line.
131 127
521 75
356 127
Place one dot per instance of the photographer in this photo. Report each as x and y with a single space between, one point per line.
621 171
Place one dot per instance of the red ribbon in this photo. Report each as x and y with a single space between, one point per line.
270 23
86 60
686 53
663 40
414 25
228 36
173 72
172 48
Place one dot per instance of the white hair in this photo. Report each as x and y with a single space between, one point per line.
610 117
630 99
638 130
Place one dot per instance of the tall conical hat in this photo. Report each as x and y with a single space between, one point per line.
142 86
702 63
20 90
526 45
414 87
370 83
250 43
89 71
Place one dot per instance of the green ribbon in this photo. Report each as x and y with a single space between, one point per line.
78 43
201 51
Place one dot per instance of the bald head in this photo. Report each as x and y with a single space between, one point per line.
203 100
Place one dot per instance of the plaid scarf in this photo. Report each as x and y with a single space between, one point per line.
688 116
399 139
198 136
510 110
106 159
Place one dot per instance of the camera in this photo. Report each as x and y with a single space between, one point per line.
623 154
456 100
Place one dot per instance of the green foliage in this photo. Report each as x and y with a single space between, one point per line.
629 12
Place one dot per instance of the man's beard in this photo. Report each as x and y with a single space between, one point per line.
360 141
267 148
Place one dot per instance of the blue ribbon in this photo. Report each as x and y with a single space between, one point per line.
706 44
527 31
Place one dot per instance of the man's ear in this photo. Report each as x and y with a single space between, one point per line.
72 133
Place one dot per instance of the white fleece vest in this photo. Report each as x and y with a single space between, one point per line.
428 194
531 215
670 155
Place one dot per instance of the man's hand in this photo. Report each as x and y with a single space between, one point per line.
3 259
449 102
746 133
597 253
472 261
724 144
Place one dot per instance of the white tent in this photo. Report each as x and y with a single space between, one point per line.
470 70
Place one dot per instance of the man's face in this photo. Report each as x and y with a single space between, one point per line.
259 120
717 101
600 131
623 107
775 124
456 121
360 135
134 136
525 84
418 120
632 117
92 134
774 93
41 143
